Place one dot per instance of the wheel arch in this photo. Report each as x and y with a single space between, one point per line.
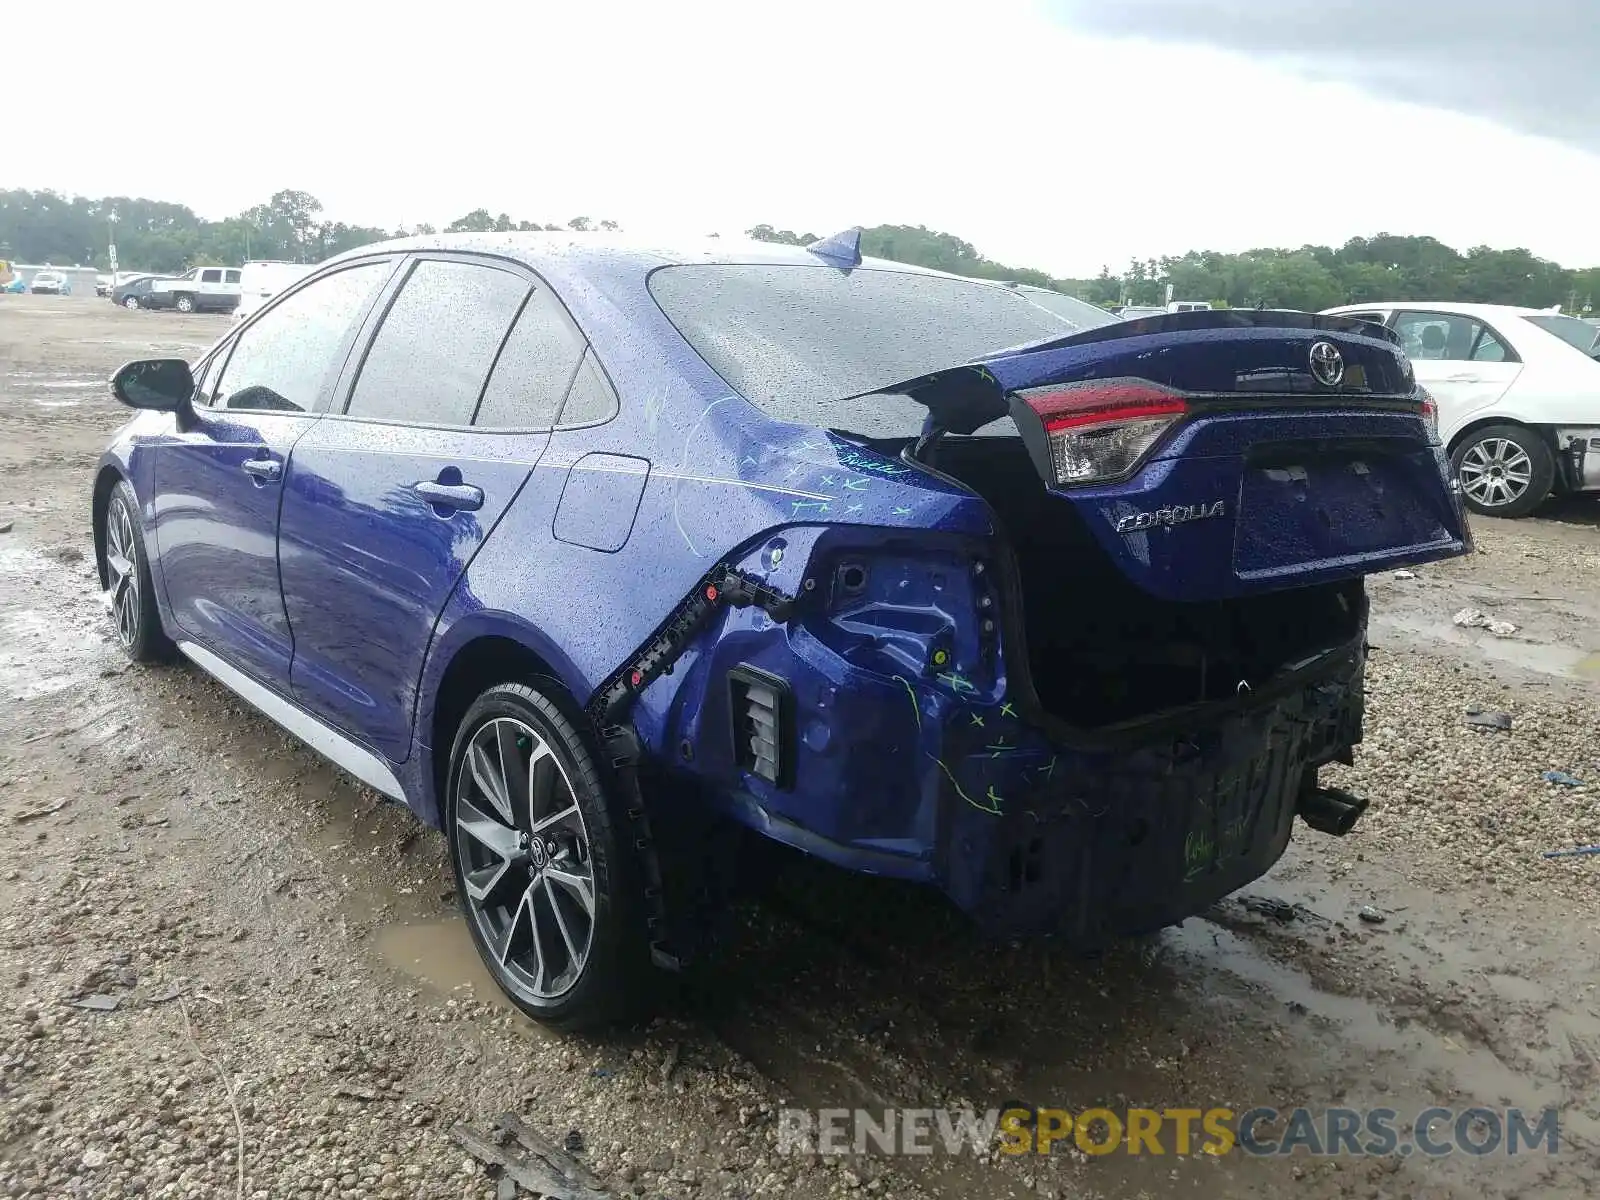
474 658
1484 422
105 481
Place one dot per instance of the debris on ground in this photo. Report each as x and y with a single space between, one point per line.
1281 911
1371 915
99 1002
1405 574
34 814
1484 719
1472 618
5 526
545 1169
1573 853
1561 777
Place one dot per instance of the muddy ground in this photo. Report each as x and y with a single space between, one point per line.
290 977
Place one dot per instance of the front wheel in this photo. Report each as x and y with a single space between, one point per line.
548 884
1505 470
125 569
130 303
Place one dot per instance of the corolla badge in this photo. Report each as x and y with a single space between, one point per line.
1327 364
1174 514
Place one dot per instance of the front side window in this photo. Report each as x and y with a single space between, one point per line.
438 340
286 359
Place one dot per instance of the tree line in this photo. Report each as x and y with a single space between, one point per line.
154 235
1382 267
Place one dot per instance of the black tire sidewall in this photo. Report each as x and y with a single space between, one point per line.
614 977
1539 454
150 642
179 302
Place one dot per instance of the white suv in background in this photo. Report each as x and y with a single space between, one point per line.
1518 391
204 289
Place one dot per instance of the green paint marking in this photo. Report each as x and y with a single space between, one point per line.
956 683
1007 711
977 720
955 783
995 799
916 708
901 511
829 480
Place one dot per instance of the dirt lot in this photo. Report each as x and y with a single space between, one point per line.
290 977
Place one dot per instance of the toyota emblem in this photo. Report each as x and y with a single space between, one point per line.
1327 364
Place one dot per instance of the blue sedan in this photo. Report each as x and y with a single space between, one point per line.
591 552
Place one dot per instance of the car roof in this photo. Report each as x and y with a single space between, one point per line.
1446 306
575 251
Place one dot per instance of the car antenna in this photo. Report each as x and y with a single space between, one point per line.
841 249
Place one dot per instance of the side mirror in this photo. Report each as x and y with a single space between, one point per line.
162 384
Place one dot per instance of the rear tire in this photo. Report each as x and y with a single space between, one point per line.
184 304
125 569
548 881
1505 470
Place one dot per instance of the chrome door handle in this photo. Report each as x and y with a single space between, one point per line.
263 469
461 496
1466 379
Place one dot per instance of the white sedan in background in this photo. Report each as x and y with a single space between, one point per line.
1518 391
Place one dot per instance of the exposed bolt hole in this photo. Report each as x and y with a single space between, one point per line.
853 578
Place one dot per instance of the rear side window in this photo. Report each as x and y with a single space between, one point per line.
437 342
230 277
210 276
799 341
1574 331
534 369
285 360
591 399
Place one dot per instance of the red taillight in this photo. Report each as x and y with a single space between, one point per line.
1101 430
1430 412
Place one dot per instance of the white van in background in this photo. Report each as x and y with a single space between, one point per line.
264 279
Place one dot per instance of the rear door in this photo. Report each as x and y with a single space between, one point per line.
388 500
1463 362
219 479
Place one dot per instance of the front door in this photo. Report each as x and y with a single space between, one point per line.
219 480
387 504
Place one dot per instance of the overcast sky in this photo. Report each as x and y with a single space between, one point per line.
1061 134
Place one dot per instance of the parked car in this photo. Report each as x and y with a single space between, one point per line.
262 280
139 292
1518 391
1136 312
49 283
102 285
590 551
204 289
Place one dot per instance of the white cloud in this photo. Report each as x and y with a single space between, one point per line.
1043 146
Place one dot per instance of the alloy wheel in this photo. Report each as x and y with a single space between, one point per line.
525 859
122 570
1496 472
130 302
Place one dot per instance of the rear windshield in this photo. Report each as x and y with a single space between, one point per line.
800 342
1575 332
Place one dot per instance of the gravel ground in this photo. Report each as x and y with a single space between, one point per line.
289 976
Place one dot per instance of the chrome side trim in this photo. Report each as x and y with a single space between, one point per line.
324 739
